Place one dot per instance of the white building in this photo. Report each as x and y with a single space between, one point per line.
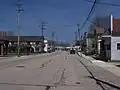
115 48
111 44
112 47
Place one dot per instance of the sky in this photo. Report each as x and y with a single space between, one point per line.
60 16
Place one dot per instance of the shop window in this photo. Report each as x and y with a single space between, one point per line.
118 46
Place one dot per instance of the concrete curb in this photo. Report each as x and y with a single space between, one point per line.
86 57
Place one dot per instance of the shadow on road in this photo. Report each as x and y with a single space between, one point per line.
105 82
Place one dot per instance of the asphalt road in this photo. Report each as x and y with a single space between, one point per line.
54 71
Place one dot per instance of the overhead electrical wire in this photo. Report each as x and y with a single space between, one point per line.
88 15
98 2
95 7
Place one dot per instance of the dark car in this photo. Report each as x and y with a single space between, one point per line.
72 51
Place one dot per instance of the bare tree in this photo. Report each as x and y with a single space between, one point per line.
91 28
100 21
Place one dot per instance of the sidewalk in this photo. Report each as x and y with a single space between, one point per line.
27 56
2 58
16 57
105 72
108 66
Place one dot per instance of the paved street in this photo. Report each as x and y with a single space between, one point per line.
53 71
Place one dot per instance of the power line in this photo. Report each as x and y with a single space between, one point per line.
88 15
62 26
42 26
68 25
116 5
94 9
34 18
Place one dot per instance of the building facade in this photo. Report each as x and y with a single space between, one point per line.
6 33
27 43
111 43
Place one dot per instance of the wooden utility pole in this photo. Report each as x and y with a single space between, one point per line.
76 36
19 10
42 28
78 26
53 35
53 41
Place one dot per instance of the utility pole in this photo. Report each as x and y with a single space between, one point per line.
56 40
85 35
42 28
78 26
53 35
81 37
19 10
76 36
53 41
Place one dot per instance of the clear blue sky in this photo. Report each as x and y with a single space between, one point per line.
57 13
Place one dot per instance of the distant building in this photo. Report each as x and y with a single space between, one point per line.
76 43
4 42
6 33
35 42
